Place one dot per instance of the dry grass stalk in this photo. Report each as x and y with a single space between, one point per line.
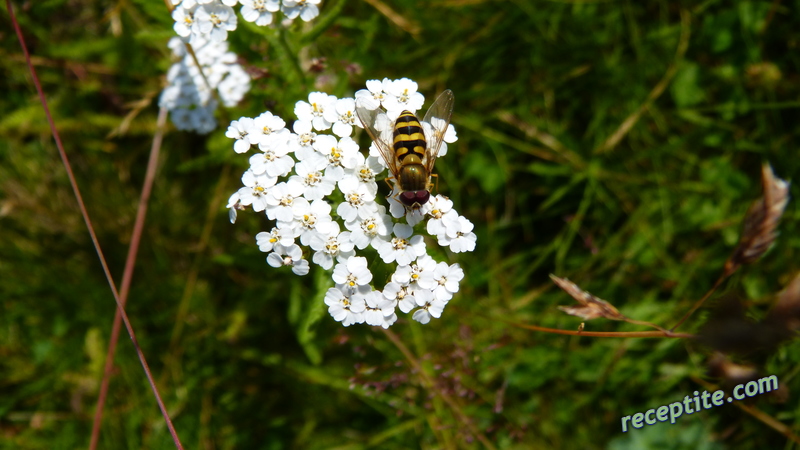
760 222
591 306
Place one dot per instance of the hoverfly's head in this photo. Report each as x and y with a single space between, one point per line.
414 199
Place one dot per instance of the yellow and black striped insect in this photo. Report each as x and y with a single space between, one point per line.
409 147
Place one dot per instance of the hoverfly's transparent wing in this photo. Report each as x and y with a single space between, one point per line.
380 128
435 125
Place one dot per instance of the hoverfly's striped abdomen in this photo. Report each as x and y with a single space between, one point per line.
408 137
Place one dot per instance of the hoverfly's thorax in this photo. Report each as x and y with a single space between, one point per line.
413 177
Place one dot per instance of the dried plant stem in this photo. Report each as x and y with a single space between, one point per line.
617 334
429 384
76 191
700 302
646 324
127 276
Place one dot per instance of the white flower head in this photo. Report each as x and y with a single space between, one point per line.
379 310
281 199
341 155
306 9
310 176
316 110
268 241
352 274
403 96
343 117
442 281
403 248
267 128
430 309
256 190
460 237
365 170
359 201
344 308
289 256
304 138
331 246
274 159
240 131
215 20
259 11
312 219
372 230
375 94
313 180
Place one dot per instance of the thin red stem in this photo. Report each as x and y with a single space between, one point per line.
127 276
76 191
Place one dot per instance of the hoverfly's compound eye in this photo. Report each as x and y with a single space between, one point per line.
408 198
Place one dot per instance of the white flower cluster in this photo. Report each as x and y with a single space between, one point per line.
205 24
212 19
189 93
328 203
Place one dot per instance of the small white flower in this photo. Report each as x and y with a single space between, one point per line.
403 248
341 155
379 310
267 128
239 130
330 246
183 15
289 256
259 11
345 309
403 96
215 21
312 219
443 216
273 159
460 238
315 183
429 309
410 275
306 9
404 297
358 201
234 204
375 93
343 116
315 110
256 190
434 131
267 241
352 274
281 199
372 230
443 280
303 142
365 171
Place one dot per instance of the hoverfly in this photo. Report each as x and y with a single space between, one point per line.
409 146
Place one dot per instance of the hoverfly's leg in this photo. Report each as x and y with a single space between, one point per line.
436 186
391 186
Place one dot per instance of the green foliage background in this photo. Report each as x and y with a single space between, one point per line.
246 356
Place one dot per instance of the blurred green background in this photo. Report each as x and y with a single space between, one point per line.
616 143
